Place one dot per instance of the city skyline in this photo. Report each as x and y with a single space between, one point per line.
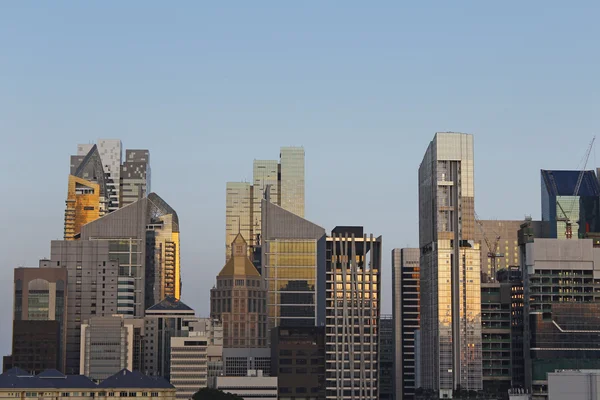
356 85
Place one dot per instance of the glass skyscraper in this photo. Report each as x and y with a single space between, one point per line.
450 267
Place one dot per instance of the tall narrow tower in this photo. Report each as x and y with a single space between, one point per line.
450 267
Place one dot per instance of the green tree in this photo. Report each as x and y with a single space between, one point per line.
214 394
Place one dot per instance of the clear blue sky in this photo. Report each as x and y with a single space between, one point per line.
209 86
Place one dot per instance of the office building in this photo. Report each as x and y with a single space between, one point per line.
135 176
285 183
570 210
91 289
386 357
163 321
406 317
561 281
501 236
353 272
189 369
298 362
239 300
106 347
84 205
239 361
450 270
574 385
254 386
293 265
496 303
39 320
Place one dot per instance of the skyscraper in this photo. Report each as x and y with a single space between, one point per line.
386 358
293 265
406 314
285 180
352 314
450 269
135 176
239 300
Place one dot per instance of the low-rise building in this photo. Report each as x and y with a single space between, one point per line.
255 386
574 385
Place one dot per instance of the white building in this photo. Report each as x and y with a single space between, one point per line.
189 368
574 385
255 386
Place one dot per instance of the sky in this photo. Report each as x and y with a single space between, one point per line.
208 87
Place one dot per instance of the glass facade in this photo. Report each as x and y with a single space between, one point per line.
291 275
450 267
292 180
238 214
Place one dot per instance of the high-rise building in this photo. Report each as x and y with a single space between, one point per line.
135 176
285 183
353 293
293 265
84 205
386 357
450 270
569 210
406 314
106 347
91 289
239 300
111 154
561 282
298 362
39 321
189 369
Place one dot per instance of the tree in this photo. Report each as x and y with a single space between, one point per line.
214 394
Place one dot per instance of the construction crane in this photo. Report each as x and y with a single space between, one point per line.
566 218
492 247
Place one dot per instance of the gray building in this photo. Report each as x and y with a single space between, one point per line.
406 316
135 176
91 289
353 275
293 265
386 357
106 347
574 385
239 361
450 269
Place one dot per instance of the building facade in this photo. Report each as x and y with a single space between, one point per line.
135 176
353 292
450 269
293 266
283 181
386 357
240 300
254 386
106 347
406 316
504 235
574 384
189 369
298 362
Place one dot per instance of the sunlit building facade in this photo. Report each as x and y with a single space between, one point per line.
450 267
353 276
83 205
284 181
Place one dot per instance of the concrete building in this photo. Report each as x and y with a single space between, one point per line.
406 316
239 300
561 281
386 357
285 182
353 276
574 385
135 176
239 361
254 386
450 269
189 365
91 288
39 318
293 266
298 362
106 347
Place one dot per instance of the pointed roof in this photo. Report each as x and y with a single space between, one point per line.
239 264
126 379
51 374
91 169
170 303
16 371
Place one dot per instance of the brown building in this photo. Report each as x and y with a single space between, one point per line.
504 235
298 361
240 300
39 318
